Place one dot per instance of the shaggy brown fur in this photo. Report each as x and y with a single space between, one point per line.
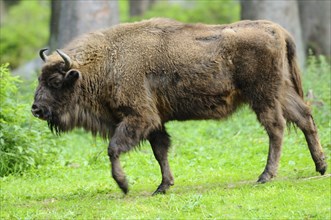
126 82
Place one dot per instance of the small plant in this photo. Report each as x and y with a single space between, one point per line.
22 144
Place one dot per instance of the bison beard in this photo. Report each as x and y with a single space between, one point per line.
126 82
54 126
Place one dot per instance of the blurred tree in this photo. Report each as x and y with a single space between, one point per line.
71 18
4 5
10 3
32 17
315 23
3 11
283 12
138 7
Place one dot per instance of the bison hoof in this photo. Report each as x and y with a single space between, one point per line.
264 177
123 186
321 169
162 189
157 192
125 190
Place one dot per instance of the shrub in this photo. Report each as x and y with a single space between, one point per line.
22 144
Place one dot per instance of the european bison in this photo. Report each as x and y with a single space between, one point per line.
127 81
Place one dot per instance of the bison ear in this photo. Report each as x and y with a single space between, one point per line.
71 76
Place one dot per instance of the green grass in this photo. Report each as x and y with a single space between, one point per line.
215 165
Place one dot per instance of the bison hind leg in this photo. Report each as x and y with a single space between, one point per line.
270 116
160 142
297 112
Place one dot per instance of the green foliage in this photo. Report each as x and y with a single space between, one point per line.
317 65
23 144
24 31
123 6
319 69
212 12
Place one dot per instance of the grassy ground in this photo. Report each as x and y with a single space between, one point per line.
215 165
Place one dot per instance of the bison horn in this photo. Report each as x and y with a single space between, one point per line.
66 58
42 54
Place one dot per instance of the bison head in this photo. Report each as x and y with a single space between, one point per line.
55 95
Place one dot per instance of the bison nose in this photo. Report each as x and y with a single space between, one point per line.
36 111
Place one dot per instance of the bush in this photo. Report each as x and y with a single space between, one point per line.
23 144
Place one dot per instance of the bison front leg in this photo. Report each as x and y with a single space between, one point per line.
117 171
160 143
126 136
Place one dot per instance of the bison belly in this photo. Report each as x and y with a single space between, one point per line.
189 95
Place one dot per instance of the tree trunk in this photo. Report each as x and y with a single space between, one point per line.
315 23
71 18
139 7
283 12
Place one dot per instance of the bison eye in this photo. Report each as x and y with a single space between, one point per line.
55 83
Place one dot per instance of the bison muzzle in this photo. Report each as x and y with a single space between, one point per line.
124 83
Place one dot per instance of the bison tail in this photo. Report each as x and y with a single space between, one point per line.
293 66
